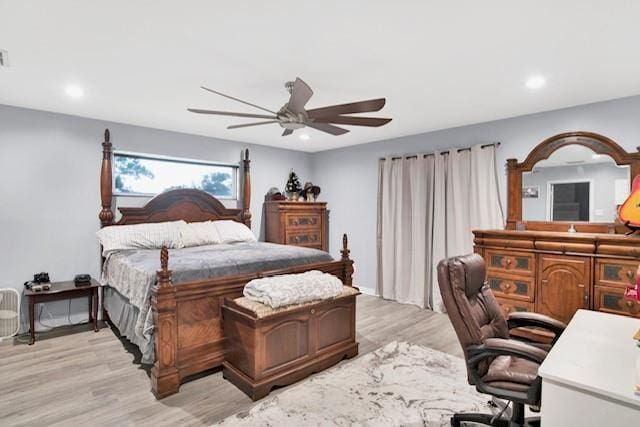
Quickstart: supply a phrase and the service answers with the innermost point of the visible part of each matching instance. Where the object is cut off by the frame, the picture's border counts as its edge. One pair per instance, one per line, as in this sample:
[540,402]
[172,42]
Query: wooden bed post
[165,379]
[347,272]
[246,189]
[106,182]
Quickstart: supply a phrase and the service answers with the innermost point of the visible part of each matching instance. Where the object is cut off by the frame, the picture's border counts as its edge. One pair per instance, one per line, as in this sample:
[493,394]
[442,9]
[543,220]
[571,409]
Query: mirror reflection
[574,184]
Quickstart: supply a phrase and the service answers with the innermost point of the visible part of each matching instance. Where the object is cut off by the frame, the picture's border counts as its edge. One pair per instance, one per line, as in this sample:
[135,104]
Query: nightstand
[63,291]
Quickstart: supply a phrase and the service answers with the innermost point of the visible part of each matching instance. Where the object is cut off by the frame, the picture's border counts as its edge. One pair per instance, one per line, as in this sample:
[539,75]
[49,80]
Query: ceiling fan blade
[326,127]
[229,113]
[246,125]
[351,108]
[239,100]
[301,93]
[287,132]
[353,121]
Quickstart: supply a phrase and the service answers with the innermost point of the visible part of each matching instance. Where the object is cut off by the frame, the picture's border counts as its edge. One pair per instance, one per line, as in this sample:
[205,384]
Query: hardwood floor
[73,376]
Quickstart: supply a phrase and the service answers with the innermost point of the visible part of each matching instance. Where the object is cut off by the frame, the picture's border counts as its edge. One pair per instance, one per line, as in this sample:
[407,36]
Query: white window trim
[235,167]
[569,181]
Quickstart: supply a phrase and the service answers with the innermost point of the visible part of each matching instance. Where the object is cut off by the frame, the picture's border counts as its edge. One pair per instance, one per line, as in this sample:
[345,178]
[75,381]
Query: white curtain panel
[458,207]
[438,240]
[484,192]
[427,207]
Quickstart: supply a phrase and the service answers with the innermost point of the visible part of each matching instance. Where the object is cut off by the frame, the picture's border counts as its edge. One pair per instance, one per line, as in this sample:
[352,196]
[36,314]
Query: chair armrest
[520,319]
[493,347]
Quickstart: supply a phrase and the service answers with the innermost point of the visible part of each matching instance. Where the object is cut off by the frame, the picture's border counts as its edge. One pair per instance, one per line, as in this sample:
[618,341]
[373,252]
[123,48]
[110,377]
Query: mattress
[132,273]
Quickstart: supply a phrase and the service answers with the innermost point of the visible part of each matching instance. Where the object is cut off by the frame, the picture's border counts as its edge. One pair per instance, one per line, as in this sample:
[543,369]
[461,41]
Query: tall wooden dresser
[297,223]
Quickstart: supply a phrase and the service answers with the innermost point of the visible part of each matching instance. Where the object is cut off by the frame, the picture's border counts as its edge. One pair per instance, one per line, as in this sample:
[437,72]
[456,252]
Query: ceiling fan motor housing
[290,120]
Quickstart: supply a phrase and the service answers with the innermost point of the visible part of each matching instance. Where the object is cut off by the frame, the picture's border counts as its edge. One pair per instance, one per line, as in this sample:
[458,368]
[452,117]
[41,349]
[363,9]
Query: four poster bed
[186,318]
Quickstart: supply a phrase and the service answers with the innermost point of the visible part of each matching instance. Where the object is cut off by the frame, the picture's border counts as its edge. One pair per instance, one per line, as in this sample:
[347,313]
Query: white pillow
[199,234]
[232,231]
[141,236]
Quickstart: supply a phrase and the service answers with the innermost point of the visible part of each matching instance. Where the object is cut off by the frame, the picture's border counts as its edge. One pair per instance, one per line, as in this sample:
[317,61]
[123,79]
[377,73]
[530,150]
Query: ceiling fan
[293,116]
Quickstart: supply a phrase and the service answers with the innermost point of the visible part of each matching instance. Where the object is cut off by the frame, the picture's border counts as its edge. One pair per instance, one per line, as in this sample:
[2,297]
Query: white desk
[588,378]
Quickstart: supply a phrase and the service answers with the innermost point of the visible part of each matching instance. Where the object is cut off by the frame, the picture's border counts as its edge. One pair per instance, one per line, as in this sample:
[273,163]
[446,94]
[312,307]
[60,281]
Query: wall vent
[4,58]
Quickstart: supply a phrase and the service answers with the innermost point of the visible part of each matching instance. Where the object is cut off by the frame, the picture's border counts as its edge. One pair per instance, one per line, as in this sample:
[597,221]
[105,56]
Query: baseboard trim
[368,291]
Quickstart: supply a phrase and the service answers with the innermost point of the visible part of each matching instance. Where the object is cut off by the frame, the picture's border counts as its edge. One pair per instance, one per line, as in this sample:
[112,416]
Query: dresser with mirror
[563,248]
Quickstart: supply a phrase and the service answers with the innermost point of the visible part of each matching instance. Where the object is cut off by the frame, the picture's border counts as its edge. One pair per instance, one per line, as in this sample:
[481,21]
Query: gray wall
[349,179]
[50,166]
[602,175]
[50,170]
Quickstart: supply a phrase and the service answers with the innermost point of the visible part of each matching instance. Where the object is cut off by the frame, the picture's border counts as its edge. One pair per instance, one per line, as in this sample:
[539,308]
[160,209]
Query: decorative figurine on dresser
[564,248]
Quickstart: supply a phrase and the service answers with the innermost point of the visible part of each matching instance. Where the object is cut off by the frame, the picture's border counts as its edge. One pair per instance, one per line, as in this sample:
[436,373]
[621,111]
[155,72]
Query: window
[570,201]
[148,175]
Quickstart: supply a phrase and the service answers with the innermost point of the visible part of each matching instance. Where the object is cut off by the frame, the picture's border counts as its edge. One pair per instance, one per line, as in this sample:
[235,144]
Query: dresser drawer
[302,220]
[304,238]
[612,300]
[617,273]
[512,287]
[510,261]
[510,306]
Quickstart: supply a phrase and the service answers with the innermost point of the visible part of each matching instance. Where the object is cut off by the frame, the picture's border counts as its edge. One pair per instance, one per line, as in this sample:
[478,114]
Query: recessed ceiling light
[74,91]
[304,136]
[536,82]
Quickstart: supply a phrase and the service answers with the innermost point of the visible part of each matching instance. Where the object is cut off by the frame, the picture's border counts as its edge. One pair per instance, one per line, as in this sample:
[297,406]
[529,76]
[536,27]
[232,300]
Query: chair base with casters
[510,418]
[497,364]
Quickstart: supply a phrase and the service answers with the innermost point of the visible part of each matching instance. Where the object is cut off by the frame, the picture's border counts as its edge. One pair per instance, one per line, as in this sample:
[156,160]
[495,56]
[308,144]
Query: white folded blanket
[287,289]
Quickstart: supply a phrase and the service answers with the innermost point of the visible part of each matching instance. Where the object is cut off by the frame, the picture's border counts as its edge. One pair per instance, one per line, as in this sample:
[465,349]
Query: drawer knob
[629,304]
[313,311]
[507,285]
[630,274]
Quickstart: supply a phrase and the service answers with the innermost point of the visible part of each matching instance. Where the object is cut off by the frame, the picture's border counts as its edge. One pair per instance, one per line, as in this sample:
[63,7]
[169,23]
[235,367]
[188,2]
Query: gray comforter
[133,272]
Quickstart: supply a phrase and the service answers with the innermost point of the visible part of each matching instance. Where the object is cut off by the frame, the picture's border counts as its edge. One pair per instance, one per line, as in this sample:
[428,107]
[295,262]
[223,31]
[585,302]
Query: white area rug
[399,384]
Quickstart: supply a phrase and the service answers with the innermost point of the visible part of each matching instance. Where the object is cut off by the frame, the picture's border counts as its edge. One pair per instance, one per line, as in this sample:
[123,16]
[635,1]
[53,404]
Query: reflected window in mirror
[574,184]
[570,201]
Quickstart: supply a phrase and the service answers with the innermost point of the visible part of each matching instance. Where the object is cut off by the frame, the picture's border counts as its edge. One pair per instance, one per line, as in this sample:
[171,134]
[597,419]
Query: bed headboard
[188,204]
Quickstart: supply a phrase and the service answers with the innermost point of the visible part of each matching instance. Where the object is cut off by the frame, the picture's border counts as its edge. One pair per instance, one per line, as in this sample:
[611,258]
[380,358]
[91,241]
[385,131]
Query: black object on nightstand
[82,279]
[64,291]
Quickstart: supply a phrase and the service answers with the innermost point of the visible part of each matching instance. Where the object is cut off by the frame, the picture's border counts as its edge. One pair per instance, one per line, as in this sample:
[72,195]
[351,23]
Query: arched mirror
[574,180]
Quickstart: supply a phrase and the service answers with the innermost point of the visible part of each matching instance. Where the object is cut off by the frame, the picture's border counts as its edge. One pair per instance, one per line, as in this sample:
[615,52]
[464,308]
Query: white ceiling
[439,64]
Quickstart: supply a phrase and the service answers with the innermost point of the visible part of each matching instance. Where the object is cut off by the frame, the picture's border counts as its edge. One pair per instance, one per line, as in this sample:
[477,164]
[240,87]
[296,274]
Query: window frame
[235,183]
[550,185]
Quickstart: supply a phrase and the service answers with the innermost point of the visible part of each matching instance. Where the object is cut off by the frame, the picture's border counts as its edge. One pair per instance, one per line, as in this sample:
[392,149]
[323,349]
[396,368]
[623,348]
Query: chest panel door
[563,285]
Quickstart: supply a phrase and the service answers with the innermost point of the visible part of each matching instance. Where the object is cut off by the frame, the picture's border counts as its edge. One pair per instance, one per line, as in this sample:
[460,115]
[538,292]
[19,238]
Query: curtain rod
[415,156]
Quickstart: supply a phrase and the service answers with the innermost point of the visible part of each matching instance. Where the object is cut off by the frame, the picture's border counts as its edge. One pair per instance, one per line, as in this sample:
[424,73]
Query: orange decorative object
[629,212]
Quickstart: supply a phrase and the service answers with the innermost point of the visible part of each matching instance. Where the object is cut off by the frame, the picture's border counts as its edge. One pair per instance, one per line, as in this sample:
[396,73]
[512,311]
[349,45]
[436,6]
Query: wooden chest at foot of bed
[277,347]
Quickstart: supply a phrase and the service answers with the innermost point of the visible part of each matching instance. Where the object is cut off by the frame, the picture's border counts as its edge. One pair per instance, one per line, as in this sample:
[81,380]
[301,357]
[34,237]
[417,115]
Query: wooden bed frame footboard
[188,335]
